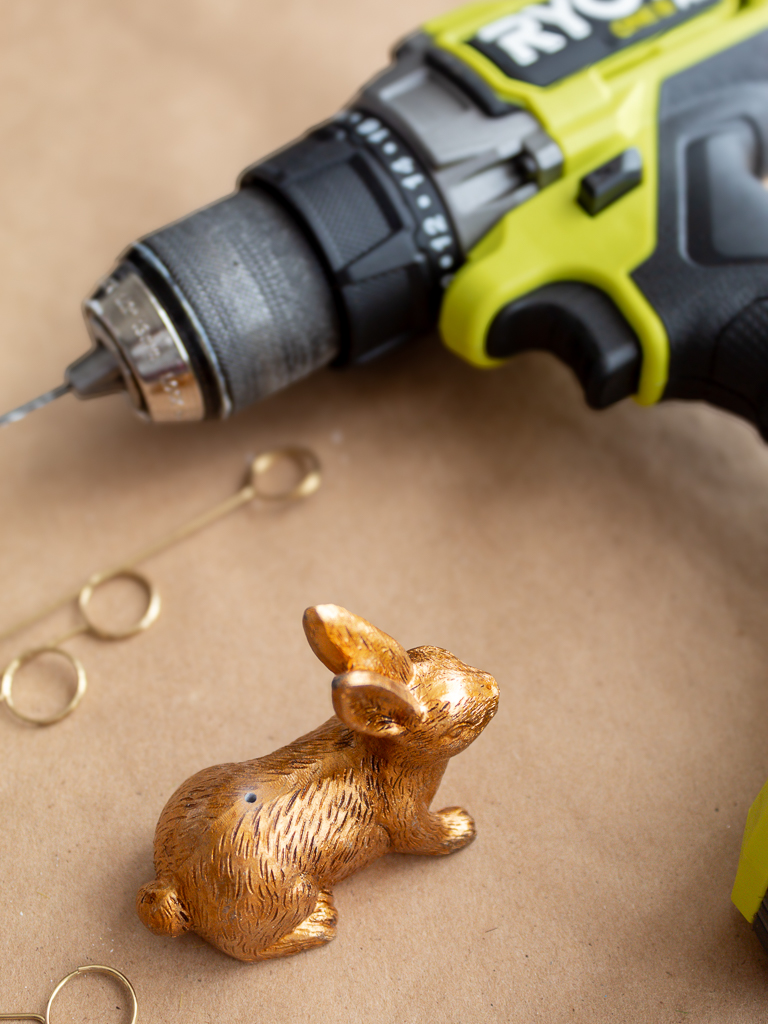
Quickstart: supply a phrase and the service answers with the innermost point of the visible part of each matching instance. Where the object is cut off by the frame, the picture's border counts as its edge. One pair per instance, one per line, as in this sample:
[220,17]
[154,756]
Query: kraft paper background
[611,570]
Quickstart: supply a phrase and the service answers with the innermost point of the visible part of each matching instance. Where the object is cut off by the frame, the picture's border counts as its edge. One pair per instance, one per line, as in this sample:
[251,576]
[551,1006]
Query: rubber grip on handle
[708,277]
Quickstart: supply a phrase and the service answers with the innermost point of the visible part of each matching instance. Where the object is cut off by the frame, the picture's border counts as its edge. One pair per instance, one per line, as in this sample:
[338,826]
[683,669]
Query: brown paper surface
[611,570]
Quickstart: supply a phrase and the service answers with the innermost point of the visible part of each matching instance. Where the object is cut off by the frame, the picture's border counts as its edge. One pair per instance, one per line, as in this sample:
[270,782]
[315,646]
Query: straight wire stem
[37,403]
[243,496]
[303,460]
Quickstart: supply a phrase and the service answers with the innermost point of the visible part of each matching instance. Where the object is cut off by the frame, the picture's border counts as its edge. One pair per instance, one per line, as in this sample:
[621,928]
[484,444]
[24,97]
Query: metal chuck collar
[138,349]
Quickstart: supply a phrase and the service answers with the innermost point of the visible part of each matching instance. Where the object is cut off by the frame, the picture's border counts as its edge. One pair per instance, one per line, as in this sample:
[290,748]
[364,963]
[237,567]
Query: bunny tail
[161,910]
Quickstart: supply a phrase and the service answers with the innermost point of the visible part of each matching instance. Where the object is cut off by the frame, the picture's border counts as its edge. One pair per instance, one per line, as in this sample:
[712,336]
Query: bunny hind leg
[438,833]
[315,930]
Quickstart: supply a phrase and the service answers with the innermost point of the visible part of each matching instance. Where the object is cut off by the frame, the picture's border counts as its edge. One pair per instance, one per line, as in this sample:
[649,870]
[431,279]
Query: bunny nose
[490,684]
[492,689]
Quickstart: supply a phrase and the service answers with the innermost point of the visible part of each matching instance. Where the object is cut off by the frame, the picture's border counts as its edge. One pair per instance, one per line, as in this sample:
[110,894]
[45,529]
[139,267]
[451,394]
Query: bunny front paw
[458,828]
[439,833]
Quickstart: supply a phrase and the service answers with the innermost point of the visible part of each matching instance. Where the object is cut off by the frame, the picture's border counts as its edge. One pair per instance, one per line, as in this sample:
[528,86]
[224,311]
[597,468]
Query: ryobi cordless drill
[579,176]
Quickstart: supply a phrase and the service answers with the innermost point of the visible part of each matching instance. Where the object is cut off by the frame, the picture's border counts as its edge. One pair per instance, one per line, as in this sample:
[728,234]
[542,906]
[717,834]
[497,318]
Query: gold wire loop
[96,969]
[148,618]
[88,969]
[6,686]
[303,459]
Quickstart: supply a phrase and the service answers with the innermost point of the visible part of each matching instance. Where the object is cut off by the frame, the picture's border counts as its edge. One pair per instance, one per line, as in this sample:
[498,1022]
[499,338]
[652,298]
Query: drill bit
[94,374]
[36,403]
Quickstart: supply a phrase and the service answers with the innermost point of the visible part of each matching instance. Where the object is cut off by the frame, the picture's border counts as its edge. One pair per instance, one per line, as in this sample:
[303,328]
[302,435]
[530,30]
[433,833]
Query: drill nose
[121,361]
[137,348]
[95,374]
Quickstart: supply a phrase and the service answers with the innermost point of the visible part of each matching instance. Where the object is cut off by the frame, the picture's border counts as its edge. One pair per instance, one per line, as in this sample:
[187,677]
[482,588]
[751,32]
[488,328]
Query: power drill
[582,177]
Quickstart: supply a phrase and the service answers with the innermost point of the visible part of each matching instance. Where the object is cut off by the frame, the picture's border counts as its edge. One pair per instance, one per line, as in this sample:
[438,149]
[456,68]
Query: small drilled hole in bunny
[250,798]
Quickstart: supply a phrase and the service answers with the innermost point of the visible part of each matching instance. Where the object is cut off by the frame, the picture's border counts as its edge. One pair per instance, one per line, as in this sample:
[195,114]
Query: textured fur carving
[246,854]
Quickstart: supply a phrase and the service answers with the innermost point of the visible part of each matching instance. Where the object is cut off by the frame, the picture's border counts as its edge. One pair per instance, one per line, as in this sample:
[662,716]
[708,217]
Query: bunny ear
[343,641]
[370,703]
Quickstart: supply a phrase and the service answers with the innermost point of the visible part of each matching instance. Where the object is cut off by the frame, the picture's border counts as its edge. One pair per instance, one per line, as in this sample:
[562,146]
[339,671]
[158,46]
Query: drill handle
[707,281]
[708,278]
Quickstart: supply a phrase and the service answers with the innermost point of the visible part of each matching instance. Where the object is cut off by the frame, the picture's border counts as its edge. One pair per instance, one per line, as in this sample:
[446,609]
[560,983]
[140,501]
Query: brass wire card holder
[88,969]
[303,460]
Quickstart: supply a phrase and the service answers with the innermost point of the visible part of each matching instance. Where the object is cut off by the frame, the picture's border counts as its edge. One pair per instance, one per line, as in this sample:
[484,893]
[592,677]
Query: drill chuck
[214,312]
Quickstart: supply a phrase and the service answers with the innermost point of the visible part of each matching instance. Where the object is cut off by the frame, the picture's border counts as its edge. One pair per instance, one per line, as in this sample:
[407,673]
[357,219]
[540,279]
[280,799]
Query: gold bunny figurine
[246,855]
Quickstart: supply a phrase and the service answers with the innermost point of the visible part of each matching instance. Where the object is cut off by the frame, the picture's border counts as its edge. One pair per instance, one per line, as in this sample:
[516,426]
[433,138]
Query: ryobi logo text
[546,41]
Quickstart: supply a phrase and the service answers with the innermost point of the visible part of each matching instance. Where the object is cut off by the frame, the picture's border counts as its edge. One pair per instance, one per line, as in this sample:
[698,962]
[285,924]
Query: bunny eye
[458,731]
